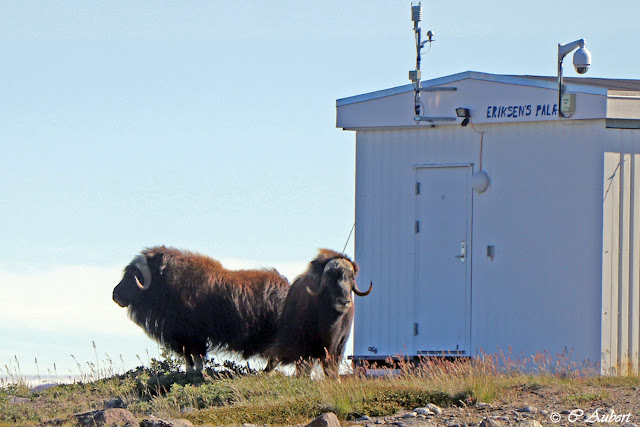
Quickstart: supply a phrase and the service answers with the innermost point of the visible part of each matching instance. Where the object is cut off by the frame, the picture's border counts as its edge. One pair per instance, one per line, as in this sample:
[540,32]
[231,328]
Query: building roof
[612,84]
[492,98]
[596,86]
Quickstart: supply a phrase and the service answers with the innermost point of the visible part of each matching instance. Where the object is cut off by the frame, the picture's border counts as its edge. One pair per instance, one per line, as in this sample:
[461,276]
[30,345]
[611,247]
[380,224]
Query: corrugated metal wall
[557,284]
[621,264]
[541,294]
[542,212]
[385,227]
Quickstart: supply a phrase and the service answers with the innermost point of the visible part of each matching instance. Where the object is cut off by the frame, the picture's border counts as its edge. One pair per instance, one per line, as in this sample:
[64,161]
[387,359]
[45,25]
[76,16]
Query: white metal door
[443,260]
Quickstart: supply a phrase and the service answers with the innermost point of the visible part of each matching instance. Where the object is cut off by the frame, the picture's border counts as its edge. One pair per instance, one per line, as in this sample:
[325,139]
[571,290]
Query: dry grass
[234,394]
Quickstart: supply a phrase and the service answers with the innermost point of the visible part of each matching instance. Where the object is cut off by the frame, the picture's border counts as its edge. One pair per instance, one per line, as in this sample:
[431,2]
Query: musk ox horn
[359,292]
[315,293]
[140,262]
[334,263]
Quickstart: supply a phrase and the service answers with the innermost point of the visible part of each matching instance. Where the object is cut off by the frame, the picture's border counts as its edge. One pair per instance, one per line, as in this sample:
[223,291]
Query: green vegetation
[234,394]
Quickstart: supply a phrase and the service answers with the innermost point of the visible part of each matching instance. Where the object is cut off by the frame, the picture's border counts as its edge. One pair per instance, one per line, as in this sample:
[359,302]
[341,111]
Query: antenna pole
[415,76]
[416,17]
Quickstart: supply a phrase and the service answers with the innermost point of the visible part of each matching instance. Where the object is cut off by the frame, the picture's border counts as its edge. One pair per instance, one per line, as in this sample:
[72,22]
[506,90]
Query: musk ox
[190,304]
[317,314]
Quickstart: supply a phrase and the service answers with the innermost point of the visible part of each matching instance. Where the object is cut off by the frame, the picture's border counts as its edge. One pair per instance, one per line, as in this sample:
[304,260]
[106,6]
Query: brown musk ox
[190,304]
[317,315]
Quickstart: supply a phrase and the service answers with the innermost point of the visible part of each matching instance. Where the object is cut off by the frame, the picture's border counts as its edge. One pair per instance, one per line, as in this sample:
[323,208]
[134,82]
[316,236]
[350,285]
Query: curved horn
[330,264]
[140,262]
[315,293]
[359,292]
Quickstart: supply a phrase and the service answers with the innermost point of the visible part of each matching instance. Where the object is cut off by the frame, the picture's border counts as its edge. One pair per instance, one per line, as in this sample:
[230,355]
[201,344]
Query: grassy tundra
[233,394]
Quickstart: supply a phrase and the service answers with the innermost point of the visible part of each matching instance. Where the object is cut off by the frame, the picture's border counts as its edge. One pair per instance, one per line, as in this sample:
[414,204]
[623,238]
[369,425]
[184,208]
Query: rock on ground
[488,422]
[13,400]
[113,417]
[325,420]
[156,422]
[113,403]
[434,408]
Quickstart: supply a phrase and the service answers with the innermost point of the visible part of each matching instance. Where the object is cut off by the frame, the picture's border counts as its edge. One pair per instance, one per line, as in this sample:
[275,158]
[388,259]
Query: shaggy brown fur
[194,304]
[317,327]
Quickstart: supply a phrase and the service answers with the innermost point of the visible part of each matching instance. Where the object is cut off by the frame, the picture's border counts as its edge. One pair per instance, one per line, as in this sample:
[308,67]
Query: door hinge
[415,329]
[417,227]
[417,188]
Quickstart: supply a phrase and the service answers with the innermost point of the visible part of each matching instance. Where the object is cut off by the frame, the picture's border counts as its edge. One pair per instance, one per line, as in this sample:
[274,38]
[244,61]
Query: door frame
[469,259]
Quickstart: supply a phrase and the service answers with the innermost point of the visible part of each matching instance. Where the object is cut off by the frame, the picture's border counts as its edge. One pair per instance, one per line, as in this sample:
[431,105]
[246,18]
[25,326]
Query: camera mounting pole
[581,61]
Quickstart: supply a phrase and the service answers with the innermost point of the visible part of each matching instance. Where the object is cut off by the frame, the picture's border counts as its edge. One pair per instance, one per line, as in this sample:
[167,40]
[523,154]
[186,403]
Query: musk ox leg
[188,361]
[193,361]
[331,367]
[304,367]
[194,352]
[271,365]
[331,364]
[198,362]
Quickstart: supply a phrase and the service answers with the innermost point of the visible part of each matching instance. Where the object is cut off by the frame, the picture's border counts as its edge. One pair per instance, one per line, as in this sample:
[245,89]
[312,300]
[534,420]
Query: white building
[544,259]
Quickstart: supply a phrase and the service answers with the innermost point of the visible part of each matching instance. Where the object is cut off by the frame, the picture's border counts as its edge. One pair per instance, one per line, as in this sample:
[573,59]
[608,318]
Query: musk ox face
[137,279]
[337,283]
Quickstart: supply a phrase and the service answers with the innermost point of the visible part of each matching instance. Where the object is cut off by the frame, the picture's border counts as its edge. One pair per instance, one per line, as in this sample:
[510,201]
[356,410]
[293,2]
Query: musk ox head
[137,278]
[337,282]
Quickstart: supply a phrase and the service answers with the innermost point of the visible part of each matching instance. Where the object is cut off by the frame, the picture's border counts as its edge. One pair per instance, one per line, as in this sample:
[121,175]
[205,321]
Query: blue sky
[210,126]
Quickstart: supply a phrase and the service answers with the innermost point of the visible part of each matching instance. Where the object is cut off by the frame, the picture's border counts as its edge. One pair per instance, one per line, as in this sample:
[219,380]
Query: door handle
[463,252]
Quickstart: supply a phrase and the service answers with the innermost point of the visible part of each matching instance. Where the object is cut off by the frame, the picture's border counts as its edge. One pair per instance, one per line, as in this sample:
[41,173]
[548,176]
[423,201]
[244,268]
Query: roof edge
[530,81]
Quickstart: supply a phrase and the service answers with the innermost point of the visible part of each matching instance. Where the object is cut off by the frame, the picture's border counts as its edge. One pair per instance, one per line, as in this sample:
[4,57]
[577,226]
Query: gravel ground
[528,406]
[523,406]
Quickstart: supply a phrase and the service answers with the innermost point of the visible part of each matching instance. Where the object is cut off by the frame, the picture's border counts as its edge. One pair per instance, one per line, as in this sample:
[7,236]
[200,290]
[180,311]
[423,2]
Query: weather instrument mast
[416,75]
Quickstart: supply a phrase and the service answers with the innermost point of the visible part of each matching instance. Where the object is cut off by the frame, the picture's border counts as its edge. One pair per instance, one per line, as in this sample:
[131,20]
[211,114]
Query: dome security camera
[582,60]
